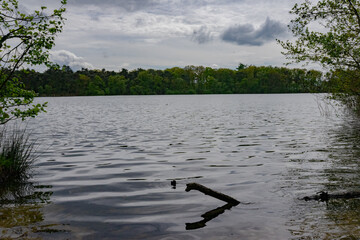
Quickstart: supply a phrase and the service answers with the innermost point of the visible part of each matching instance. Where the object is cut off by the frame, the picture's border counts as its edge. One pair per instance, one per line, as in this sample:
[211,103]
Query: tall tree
[328,32]
[25,39]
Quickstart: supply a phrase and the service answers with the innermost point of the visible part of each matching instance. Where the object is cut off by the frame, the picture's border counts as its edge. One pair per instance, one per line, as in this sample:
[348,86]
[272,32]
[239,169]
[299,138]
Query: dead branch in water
[212,193]
[324,196]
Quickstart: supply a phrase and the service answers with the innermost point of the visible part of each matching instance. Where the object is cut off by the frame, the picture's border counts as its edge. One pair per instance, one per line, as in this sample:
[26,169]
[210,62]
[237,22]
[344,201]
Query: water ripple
[110,161]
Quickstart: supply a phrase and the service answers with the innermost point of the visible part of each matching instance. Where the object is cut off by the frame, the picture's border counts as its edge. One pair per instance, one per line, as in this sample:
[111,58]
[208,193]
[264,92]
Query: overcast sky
[159,34]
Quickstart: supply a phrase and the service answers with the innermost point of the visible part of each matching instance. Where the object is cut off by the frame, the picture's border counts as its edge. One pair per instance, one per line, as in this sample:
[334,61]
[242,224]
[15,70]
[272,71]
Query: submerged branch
[212,193]
[325,196]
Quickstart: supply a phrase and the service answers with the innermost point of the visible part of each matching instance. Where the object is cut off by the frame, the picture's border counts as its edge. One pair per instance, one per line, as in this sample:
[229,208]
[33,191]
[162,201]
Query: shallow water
[106,163]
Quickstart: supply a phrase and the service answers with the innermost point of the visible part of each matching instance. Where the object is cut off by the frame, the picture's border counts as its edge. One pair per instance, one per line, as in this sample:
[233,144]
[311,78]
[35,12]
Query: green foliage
[117,85]
[96,87]
[16,156]
[188,80]
[328,32]
[345,88]
[25,39]
[336,47]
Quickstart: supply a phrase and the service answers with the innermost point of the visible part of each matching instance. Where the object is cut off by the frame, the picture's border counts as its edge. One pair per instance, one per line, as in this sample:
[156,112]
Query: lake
[105,165]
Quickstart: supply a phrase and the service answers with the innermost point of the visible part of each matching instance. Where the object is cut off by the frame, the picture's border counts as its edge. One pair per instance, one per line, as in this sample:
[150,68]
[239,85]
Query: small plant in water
[16,156]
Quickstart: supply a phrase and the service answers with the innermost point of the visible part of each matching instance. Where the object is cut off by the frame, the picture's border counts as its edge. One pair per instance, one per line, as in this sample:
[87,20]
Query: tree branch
[4,38]
[15,67]
[355,11]
[212,193]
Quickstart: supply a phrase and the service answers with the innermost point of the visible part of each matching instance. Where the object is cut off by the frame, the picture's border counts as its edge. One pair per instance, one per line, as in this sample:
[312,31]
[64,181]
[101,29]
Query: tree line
[188,80]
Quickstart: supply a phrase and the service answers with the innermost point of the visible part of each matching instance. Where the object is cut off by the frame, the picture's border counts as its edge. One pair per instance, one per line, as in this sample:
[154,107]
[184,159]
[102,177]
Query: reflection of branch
[208,216]
[212,193]
[10,193]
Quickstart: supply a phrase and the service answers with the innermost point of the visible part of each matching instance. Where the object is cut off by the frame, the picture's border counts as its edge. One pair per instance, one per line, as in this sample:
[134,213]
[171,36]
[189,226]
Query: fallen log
[325,196]
[212,193]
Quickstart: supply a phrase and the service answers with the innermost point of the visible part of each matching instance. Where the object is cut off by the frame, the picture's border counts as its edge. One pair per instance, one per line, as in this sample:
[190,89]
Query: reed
[17,155]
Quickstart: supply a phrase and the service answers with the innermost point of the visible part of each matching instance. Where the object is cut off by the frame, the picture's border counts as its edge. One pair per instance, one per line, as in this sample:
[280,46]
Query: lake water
[106,164]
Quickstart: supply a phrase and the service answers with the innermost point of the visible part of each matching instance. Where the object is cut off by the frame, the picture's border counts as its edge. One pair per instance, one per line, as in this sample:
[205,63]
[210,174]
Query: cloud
[202,35]
[246,34]
[166,33]
[130,6]
[63,57]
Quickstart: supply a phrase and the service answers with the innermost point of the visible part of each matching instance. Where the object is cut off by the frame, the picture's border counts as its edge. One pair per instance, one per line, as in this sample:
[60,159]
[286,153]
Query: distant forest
[188,80]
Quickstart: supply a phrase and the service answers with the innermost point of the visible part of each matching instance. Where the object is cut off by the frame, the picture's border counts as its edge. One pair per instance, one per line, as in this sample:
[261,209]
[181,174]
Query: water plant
[17,155]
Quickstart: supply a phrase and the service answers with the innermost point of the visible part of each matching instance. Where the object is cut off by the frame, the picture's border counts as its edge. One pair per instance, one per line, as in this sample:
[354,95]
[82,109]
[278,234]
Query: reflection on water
[345,216]
[208,216]
[110,161]
[344,176]
[21,211]
[336,218]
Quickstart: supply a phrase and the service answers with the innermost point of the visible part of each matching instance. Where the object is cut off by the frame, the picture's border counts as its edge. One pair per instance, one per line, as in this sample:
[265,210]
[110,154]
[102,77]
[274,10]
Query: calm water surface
[106,164]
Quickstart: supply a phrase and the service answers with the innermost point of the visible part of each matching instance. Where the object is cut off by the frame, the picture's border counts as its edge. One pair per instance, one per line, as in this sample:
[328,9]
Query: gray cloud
[63,57]
[128,5]
[151,33]
[246,34]
[202,35]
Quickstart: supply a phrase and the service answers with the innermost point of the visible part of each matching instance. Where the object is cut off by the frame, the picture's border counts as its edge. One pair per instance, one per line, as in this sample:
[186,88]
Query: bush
[16,156]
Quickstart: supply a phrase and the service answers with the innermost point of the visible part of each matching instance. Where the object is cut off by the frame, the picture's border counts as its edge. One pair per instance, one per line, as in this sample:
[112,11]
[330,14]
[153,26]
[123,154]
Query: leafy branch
[25,39]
